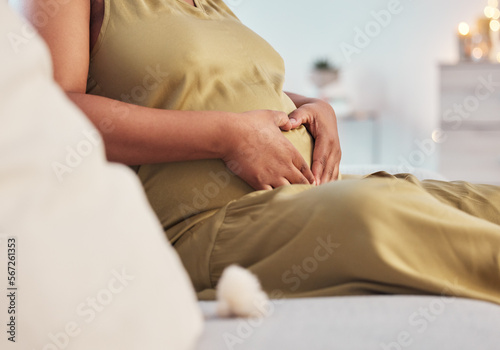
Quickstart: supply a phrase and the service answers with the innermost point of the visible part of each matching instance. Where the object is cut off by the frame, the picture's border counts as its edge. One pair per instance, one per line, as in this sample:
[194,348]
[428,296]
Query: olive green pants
[373,235]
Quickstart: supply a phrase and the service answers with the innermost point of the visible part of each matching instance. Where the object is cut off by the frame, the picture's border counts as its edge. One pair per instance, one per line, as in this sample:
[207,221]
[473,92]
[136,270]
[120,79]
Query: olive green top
[168,54]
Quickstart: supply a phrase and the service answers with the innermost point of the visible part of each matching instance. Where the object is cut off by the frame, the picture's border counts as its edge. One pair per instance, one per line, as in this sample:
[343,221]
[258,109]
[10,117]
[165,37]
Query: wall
[396,74]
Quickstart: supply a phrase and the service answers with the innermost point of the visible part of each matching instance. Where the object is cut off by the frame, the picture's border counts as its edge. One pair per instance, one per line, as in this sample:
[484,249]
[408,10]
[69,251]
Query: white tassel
[240,294]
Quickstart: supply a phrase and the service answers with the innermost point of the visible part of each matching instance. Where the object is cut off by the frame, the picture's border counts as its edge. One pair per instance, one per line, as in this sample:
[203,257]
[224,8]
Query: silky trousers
[380,234]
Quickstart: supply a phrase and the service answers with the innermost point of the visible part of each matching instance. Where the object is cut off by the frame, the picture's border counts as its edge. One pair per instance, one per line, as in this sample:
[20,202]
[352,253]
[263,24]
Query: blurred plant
[324,73]
[324,64]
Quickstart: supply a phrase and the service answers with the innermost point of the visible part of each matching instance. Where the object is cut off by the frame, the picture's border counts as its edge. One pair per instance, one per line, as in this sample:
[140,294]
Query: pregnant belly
[180,190]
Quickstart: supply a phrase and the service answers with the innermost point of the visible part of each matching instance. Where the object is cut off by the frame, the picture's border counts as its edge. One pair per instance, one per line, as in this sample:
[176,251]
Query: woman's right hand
[258,153]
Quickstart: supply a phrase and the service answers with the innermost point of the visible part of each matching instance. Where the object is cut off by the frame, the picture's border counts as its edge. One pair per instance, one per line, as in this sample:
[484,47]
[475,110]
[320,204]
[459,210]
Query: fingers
[336,172]
[328,175]
[294,175]
[298,178]
[304,175]
[318,167]
[326,161]
[281,182]
[336,168]
[282,121]
[275,184]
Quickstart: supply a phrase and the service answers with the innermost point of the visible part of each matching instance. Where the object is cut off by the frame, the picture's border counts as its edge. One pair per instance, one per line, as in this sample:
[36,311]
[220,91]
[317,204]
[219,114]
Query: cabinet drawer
[469,92]
[471,156]
[465,76]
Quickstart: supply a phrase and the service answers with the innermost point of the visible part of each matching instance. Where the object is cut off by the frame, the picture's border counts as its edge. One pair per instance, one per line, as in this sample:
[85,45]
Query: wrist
[226,132]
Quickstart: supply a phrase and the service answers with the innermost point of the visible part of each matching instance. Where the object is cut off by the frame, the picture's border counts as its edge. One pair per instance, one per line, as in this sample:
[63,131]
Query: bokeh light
[463,28]
[495,25]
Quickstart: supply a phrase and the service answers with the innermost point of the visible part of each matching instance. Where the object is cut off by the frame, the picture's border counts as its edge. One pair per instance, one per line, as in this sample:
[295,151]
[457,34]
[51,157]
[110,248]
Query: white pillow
[93,269]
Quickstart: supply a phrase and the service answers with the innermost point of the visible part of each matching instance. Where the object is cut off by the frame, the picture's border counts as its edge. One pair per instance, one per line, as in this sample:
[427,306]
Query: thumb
[296,118]
[283,122]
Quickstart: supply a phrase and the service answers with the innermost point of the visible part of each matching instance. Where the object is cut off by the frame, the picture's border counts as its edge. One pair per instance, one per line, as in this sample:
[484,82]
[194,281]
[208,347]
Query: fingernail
[293,120]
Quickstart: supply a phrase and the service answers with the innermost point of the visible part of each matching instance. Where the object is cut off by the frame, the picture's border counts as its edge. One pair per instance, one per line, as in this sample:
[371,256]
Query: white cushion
[390,322]
[93,268]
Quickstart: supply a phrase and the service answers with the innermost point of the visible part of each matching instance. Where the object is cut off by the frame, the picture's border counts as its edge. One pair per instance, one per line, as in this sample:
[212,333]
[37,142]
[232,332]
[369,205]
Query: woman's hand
[319,118]
[257,151]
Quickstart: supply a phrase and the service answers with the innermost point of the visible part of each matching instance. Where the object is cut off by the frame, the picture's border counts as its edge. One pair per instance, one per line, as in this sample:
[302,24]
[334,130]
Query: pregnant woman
[239,171]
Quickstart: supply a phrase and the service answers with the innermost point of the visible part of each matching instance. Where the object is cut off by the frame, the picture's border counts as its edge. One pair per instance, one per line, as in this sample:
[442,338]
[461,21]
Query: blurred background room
[415,84]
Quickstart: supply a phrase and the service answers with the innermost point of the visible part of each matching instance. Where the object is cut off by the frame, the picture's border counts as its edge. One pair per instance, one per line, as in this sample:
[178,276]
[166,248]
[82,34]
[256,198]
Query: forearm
[140,135]
[300,100]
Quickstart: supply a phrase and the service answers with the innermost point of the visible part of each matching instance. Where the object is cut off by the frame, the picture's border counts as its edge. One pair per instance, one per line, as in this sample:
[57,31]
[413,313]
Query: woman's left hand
[319,118]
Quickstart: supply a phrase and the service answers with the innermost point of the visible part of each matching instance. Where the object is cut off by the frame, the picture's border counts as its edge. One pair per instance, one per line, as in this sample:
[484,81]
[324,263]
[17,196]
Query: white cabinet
[470,121]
